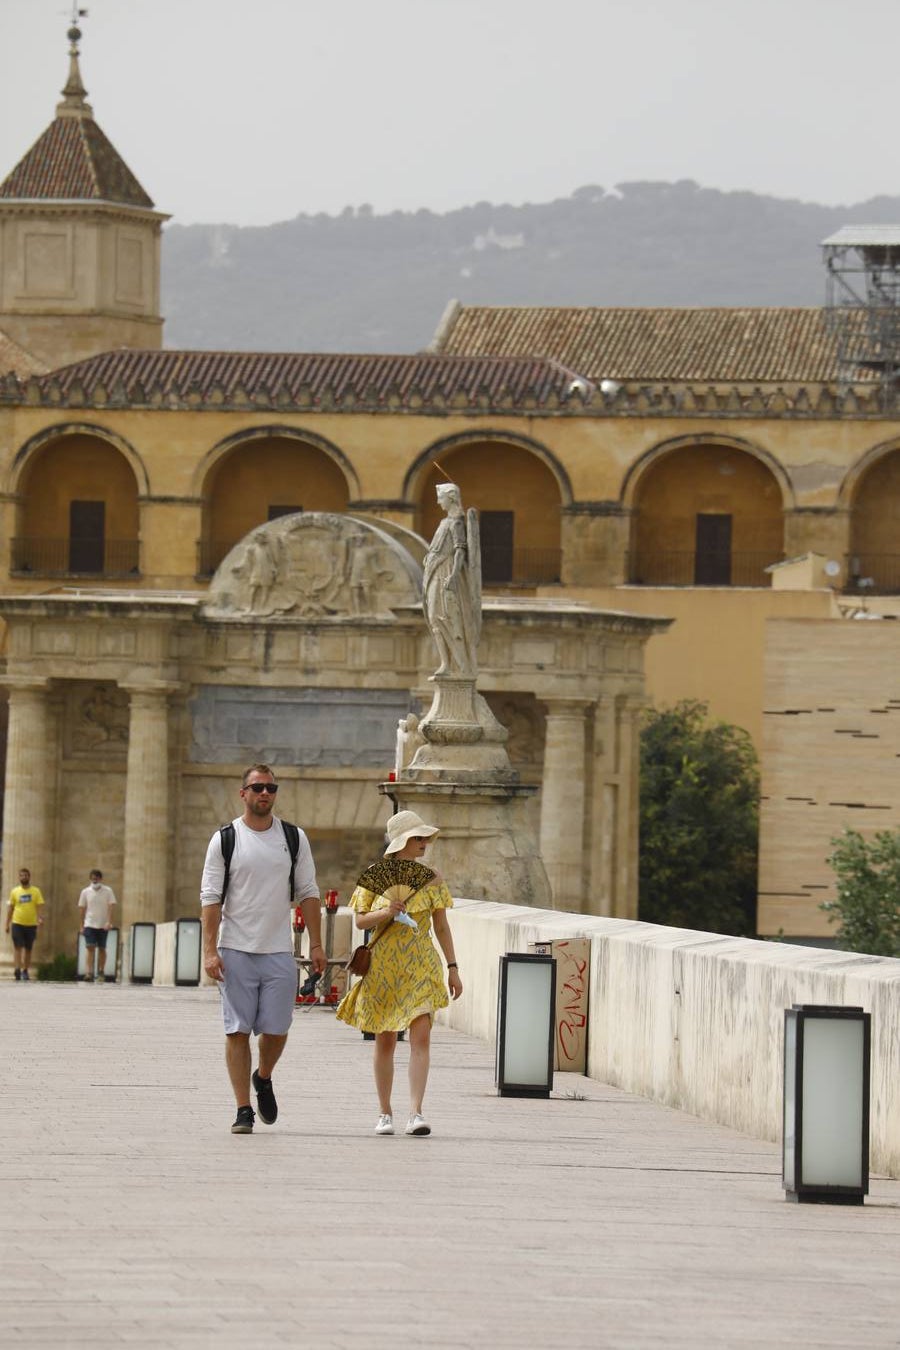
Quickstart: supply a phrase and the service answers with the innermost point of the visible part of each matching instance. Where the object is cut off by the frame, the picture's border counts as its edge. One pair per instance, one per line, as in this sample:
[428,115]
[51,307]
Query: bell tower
[79,241]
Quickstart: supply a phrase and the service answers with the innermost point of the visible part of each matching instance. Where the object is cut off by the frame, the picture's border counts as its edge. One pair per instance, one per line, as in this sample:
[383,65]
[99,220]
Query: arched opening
[259,480]
[706,515]
[519,505]
[875,528]
[78,513]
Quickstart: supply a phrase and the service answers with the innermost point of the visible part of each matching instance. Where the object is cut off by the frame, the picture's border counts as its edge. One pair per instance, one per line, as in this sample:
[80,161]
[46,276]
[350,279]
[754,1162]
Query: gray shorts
[259,991]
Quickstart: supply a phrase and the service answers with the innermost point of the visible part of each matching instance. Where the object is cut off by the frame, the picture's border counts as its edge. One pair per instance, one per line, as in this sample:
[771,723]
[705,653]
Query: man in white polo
[247,939]
[96,903]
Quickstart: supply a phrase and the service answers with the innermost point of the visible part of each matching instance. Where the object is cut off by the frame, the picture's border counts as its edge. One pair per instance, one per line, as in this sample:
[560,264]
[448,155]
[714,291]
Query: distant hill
[362,282]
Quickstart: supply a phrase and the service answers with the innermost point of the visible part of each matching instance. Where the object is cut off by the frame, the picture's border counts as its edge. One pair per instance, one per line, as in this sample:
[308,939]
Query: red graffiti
[571,1006]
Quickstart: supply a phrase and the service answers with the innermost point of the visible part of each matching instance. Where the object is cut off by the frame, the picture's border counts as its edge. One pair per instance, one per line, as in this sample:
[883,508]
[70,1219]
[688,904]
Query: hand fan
[395,878]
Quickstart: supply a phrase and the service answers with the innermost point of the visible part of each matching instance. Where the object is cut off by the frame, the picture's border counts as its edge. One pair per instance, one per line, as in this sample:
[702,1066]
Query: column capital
[567,707]
[25,684]
[153,688]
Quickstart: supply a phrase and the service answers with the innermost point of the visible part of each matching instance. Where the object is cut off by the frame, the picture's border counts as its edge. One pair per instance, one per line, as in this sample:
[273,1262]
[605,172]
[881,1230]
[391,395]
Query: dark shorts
[259,992]
[96,937]
[23,934]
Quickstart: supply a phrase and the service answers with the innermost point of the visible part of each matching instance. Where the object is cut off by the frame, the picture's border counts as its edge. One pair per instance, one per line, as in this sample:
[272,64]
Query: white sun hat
[404,826]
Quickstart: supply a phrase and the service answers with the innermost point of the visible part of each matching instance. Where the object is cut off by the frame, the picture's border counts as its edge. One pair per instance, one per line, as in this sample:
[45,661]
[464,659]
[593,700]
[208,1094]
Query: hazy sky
[254,112]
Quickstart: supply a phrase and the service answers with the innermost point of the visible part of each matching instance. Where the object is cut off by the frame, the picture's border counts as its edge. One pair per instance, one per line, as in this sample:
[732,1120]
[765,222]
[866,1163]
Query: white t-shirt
[256,916]
[96,902]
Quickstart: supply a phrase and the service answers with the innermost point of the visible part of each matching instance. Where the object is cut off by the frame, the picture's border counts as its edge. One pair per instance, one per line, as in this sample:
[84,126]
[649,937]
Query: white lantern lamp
[187,951]
[526,1025]
[143,952]
[825,1147]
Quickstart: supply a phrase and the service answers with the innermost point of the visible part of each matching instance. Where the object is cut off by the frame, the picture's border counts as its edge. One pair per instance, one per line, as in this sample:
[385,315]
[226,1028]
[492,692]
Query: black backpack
[291,834]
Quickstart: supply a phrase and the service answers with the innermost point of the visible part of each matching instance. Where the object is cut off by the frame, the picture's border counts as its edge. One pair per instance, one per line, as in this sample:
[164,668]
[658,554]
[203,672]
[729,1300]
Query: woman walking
[398,901]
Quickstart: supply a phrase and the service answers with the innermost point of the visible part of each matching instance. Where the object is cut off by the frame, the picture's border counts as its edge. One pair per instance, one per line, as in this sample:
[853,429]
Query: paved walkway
[131,1216]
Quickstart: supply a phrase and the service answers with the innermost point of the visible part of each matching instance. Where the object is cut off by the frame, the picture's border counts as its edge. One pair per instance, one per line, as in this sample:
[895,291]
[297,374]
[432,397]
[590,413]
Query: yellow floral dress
[405,978]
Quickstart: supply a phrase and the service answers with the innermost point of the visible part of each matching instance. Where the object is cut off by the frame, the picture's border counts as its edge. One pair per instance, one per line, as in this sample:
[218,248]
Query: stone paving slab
[130,1216]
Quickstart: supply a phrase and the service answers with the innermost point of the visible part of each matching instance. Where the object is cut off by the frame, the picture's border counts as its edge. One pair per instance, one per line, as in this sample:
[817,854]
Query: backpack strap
[226,835]
[292,835]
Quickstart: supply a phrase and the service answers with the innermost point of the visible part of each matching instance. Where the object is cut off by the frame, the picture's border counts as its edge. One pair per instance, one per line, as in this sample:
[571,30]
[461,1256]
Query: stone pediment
[314,566]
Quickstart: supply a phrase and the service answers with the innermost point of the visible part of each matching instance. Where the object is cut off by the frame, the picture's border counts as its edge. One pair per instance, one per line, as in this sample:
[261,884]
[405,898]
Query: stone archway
[875,524]
[260,477]
[78,512]
[706,514]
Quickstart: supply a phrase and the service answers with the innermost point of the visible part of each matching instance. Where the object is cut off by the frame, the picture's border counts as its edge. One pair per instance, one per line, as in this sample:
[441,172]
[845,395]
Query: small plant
[867,907]
[61,967]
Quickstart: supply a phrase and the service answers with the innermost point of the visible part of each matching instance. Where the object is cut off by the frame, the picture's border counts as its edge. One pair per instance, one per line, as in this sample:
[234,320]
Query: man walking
[96,903]
[254,870]
[23,914]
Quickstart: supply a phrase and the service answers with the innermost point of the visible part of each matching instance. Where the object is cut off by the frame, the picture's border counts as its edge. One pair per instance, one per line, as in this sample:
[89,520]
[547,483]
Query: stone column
[595,544]
[148,794]
[614,835]
[625,898]
[601,844]
[562,800]
[29,790]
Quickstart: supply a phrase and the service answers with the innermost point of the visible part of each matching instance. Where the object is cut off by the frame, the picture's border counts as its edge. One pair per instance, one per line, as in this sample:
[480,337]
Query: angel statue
[452,586]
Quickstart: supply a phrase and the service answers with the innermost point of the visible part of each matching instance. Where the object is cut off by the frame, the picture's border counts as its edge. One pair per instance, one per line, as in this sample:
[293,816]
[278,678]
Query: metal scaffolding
[863,304]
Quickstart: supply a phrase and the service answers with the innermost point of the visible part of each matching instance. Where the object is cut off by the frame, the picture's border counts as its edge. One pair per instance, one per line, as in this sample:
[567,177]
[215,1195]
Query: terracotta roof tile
[74,161]
[735,346]
[306,377]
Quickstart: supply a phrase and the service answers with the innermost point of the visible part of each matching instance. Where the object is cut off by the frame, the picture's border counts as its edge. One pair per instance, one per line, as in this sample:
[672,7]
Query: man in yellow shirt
[24,913]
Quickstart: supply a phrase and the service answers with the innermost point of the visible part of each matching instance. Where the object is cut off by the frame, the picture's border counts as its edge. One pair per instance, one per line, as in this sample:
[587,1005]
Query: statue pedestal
[464,742]
[486,849]
[461,779]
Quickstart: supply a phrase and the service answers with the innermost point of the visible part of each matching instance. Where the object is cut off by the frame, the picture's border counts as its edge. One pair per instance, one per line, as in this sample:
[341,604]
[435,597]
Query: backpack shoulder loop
[226,836]
[292,837]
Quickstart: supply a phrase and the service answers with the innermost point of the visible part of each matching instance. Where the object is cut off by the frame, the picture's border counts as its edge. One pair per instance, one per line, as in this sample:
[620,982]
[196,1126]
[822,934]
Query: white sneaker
[385,1125]
[417,1125]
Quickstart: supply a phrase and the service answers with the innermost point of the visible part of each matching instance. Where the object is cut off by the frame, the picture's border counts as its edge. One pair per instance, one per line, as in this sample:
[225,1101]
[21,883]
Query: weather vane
[76,13]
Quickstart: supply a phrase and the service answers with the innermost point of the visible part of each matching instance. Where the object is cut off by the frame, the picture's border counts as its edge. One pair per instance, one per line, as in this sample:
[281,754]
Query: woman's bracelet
[451,965]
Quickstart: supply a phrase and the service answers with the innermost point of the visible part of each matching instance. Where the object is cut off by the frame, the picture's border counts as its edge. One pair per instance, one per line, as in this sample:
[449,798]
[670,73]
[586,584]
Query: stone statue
[409,738]
[452,587]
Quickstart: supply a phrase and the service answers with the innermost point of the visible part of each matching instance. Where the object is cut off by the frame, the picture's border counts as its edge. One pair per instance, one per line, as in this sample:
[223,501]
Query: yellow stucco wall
[714,650]
[831,744]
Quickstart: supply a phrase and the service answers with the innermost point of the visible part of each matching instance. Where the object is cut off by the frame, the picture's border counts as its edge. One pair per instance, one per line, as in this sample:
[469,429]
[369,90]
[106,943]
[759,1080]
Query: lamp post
[826,1104]
[143,952]
[526,1023]
[187,951]
[111,968]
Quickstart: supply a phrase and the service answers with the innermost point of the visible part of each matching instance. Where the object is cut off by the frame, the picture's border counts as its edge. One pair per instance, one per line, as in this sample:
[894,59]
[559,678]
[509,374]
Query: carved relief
[314,566]
[99,719]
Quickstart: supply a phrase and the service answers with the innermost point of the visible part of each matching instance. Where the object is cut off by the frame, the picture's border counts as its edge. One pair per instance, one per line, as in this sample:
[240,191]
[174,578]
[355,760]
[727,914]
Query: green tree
[867,908]
[699,822]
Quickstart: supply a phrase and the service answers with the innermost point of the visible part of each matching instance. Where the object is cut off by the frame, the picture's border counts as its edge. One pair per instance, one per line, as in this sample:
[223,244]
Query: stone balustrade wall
[692,1020]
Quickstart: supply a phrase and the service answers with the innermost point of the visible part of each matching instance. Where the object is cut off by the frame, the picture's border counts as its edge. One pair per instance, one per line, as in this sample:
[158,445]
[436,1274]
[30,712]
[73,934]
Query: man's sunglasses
[263,787]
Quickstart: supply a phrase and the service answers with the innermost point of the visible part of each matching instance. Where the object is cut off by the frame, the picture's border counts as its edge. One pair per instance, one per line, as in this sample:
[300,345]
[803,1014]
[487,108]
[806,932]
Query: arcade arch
[519,498]
[875,524]
[77,512]
[705,514]
[260,477]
